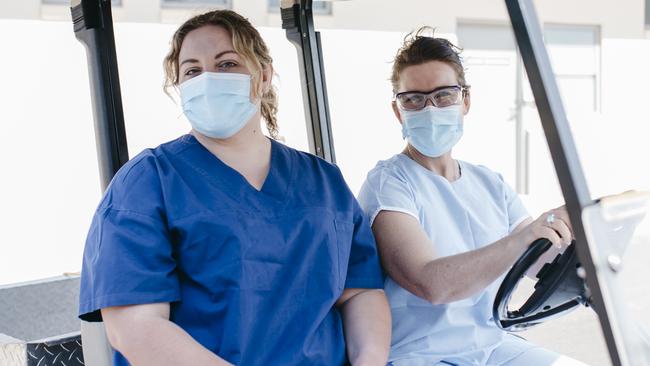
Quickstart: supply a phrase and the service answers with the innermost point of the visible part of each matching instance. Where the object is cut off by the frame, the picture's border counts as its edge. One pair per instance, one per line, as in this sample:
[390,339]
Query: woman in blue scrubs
[447,230]
[224,246]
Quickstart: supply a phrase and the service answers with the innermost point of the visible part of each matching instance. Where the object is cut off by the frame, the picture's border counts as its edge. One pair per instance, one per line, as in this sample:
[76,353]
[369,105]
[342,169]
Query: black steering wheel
[559,289]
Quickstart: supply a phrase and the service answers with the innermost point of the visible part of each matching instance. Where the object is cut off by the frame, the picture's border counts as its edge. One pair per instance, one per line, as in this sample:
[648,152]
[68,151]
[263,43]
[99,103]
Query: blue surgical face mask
[218,105]
[433,131]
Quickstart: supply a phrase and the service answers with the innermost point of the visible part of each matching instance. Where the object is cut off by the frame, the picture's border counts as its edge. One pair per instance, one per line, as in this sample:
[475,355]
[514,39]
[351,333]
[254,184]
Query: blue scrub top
[251,275]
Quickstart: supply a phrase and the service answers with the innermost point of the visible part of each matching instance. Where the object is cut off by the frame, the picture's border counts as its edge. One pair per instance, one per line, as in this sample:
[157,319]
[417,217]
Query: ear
[467,102]
[396,111]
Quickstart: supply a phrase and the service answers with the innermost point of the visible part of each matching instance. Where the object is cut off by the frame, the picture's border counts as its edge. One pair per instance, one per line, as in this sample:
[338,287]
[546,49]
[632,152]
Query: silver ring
[550,218]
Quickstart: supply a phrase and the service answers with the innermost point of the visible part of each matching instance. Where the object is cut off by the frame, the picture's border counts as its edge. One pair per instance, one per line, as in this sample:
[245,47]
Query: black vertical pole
[528,33]
[298,21]
[93,27]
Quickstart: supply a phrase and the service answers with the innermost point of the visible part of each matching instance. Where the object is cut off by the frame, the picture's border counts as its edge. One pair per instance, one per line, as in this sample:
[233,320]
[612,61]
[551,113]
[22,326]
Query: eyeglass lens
[440,98]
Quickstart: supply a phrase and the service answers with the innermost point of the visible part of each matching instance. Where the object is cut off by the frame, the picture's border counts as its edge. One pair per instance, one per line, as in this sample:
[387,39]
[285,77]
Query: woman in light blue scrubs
[224,246]
[447,230]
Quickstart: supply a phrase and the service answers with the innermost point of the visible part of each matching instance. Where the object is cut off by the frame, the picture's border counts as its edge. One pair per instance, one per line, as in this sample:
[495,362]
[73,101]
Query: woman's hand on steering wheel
[553,225]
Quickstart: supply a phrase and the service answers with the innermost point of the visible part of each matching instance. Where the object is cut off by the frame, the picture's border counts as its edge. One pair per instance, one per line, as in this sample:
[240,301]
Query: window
[318,7]
[575,55]
[194,3]
[67,2]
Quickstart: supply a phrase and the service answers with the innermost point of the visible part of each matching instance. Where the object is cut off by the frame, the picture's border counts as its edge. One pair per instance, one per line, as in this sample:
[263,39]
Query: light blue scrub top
[251,275]
[476,210]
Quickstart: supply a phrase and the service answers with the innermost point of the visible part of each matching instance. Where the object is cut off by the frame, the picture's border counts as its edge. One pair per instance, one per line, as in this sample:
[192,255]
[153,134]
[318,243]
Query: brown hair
[248,44]
[419,48]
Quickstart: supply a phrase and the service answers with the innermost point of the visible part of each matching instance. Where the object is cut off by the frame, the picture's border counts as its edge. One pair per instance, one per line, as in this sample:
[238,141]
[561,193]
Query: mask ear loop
[260,93]
[176,98]
[179,104]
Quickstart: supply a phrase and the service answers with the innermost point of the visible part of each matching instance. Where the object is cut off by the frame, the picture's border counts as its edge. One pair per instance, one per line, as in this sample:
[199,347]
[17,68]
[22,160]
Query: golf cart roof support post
[93,27]
[528,34]
[298,21]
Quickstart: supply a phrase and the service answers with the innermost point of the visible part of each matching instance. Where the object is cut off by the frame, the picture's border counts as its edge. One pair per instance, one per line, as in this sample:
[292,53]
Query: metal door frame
[298,21]
[528,34]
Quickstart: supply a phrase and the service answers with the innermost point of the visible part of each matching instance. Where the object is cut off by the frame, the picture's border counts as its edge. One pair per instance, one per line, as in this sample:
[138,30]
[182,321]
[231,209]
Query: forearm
[367,325]
[460,276]
[411,260]
[157,341]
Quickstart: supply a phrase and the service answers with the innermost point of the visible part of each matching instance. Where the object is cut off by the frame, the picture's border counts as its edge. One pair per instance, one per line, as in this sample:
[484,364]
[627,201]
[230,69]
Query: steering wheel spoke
[558,290]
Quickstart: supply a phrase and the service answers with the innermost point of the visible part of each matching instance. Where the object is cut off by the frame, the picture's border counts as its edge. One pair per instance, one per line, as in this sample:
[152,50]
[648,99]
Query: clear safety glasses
[440,97]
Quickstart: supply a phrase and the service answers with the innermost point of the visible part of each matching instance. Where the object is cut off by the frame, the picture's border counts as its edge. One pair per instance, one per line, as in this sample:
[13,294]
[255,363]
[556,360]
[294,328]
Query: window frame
[597,75]
[327,9]
[180,4]
[114,3]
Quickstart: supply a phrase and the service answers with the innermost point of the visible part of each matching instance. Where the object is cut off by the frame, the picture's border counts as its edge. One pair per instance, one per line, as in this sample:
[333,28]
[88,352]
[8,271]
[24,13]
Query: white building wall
[619,19]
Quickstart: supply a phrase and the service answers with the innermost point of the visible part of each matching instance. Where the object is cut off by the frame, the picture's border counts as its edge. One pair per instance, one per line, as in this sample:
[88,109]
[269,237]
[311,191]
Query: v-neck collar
[275,186]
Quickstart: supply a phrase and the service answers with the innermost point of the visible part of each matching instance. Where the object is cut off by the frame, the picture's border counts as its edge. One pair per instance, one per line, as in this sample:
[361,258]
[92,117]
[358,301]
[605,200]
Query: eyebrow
[216,57]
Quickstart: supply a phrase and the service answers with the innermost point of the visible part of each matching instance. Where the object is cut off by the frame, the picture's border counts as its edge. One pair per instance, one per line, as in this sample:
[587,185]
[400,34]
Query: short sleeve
[128,257]
[383,190]
[517,213]
[364,270]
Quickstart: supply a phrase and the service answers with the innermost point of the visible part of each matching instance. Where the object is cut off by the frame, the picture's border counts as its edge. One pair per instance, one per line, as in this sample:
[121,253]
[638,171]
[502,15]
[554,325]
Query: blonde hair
[248,44]
[422,46]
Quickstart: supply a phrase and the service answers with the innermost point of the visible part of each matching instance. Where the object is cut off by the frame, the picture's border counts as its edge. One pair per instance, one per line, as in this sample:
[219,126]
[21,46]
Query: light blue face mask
[218,104]
[433,131]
